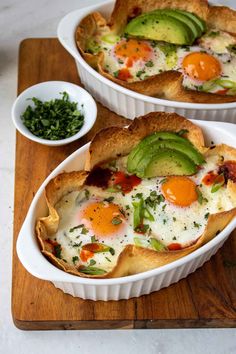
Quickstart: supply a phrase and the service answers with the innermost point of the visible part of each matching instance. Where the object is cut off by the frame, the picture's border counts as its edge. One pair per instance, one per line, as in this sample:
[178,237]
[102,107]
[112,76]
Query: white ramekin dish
[125,102]
[46,91]
[117,288]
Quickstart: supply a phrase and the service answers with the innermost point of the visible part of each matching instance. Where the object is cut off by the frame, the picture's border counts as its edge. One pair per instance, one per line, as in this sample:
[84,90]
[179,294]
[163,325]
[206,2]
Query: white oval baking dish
[118,288]
[125,102]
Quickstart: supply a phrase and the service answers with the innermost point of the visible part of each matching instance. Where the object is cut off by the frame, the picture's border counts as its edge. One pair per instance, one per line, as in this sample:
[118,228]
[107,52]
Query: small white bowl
[46,91]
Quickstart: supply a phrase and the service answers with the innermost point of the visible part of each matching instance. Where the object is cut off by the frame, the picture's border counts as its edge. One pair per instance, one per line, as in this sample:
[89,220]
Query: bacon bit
[126,182]
[210,178]
[85,255]
[129,62]
[174,246]
[124,74]
[222,92]
[99,177]
[228,169]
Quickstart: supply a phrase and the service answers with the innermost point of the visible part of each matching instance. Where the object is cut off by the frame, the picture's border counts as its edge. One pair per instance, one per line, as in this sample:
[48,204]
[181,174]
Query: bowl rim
[88,123]
[53,273]
[65,34]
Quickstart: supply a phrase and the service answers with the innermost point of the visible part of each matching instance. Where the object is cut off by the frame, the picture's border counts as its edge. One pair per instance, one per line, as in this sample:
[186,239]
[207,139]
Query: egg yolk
[180,191]
[104,219]
[133,50]
[201,66]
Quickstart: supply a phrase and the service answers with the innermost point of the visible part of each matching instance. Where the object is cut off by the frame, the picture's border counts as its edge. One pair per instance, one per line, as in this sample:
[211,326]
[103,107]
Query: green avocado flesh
[169,162]
[199,23]
[160,27]
[183,18]
[151,147]
[168,25]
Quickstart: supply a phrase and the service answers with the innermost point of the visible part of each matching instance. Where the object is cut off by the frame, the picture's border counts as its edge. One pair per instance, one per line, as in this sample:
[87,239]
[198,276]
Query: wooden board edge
[112,325]
[72,325]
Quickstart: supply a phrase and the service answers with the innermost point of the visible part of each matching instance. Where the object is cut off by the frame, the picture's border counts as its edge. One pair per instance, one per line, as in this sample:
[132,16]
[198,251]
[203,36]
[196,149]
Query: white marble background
[21,19]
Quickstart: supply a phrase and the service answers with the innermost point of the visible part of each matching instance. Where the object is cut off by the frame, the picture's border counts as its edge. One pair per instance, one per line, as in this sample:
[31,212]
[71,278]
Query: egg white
[172,224]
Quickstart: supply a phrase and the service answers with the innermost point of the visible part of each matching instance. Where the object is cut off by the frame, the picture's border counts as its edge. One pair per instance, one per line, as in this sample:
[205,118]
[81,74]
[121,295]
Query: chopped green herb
[116,221]
[157,245]
[109,199]
[53,120]
[92,262]
[163,180]
[195,224]
[84,231]
[206,216]
[93,239]
[92,270]
[139,73]
[57,250]
[108,259]
[112,251]
[218,183]
[149,64]
[77,244]
[116,73]
[200,197]
[75,259]
[174,219]
[76,227]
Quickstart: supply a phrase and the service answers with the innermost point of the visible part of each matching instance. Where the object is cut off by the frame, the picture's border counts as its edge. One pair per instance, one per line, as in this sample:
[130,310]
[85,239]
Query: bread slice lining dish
[167,85]
[108,144]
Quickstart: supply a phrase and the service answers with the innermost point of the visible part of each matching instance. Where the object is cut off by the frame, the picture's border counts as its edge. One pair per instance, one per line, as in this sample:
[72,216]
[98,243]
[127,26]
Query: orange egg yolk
[201,66]
[133,50]
[104,219]
[180,191]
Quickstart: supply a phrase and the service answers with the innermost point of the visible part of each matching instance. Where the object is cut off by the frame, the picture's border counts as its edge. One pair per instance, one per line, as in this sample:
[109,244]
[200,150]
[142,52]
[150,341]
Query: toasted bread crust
[115,141]
[106,145]
[167,85]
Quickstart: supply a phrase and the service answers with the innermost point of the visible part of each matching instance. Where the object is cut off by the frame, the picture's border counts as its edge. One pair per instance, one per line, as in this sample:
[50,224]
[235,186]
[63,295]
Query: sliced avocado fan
[166,144]
[168,25]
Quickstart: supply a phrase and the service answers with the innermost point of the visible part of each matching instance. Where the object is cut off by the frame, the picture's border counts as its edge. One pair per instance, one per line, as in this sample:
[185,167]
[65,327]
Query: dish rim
[52,85]
[52,273]
[72,19]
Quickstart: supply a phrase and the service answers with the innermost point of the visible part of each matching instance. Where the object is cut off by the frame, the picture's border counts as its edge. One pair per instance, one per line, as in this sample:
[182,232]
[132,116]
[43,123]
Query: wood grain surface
[206,298]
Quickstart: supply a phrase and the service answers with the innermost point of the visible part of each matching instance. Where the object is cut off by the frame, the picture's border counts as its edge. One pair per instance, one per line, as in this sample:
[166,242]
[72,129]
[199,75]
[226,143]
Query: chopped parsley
[76,227]
[195,224]
[53,120]
[149,64]
[116,221]
[84,231]
[92,262]
[75,259]
[58,250]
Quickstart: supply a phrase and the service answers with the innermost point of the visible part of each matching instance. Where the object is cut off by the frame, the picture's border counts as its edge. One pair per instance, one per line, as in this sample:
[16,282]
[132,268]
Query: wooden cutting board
[206,298]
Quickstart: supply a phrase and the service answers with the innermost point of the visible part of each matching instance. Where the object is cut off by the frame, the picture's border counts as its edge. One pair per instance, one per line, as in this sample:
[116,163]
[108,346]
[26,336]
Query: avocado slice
[149,152]
[200,24]
[152,150]
[169,162]
[181,16]
[134,155]
[159,26]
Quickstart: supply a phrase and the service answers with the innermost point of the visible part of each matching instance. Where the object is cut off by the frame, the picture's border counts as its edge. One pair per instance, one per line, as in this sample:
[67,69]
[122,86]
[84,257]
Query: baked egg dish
[178,50]
[150,194]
